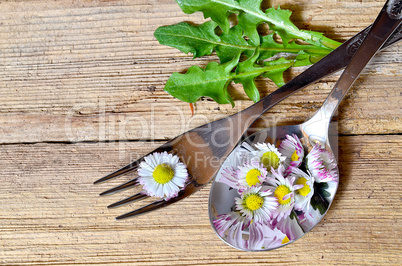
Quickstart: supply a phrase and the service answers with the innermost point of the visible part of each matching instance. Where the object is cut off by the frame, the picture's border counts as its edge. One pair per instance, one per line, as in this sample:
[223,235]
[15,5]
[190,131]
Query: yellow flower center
[294,156]
[254,202]
[252,177]
[305,189]
[280,192]
[285,240]
[270,159]
[163,173]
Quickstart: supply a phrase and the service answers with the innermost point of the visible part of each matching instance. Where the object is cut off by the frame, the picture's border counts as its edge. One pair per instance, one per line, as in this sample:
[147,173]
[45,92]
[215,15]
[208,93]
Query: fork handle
[386,23]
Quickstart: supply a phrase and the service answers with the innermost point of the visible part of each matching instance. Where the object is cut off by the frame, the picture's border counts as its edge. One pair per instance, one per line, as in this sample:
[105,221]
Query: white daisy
[302,195]
[284,192]
[309,219]
[268,155]
[257,204]
[289,226]
[230,227]
[229,169]
[251,174]
[235,235]
[264,236]
[228,176]
[322,165]
[224,221]
[162,175]
[292,148]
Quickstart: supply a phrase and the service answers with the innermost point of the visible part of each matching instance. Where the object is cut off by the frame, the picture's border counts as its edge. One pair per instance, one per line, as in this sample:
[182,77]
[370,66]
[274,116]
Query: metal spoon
[319,130]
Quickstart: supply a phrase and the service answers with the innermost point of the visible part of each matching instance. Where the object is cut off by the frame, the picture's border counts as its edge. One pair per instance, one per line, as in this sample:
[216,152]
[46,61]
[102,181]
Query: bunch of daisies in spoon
[282,192]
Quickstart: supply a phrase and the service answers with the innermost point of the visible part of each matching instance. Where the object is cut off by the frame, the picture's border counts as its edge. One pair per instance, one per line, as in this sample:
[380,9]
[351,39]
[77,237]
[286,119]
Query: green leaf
[233,43]
[250,16]
[213,81]
[270,47]
[318,200]
[199,40]
[202,40]
[247,71]
[276,75]
[217,10]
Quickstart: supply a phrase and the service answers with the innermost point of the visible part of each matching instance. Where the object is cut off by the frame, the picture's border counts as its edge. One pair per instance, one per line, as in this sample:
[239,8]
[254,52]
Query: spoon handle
[386,23]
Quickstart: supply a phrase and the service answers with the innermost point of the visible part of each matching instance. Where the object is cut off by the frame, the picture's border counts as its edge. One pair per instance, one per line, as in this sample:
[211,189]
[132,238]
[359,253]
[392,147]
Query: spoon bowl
[221,200]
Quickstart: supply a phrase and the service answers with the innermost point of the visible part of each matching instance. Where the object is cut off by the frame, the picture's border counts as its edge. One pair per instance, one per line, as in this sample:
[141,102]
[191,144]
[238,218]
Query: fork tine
[132,183]
[133,198]
[189,189]
[150,207]
[124,170]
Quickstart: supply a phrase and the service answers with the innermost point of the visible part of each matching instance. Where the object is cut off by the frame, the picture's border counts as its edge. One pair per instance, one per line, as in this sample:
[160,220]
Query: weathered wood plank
[88,71]
[51,214]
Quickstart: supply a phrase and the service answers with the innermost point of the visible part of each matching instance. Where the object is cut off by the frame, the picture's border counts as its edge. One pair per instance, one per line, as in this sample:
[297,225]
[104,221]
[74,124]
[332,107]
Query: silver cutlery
[214,141]
[314,131]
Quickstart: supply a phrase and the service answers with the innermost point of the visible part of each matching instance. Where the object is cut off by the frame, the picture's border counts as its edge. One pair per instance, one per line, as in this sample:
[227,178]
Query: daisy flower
[302,195]
[309,219]
[292,148]
[224,221]
[251,174]
[257,204]
[235,236]
[322,165]
[264,236]
[228,175]
[290,227]
[284,193]
[230,226]
[162,175]
[269,156]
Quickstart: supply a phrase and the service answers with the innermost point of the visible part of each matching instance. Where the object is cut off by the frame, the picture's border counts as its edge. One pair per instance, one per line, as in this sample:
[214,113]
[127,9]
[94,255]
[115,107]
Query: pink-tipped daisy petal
[322,164]
[292,148]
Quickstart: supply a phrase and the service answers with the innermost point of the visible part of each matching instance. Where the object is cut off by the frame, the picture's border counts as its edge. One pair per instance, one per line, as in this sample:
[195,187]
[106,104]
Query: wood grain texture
[89,71]
[82,95]
[51,213]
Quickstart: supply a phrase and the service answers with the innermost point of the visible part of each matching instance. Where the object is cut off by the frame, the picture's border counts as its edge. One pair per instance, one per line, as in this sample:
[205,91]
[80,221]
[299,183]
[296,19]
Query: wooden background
[81,86]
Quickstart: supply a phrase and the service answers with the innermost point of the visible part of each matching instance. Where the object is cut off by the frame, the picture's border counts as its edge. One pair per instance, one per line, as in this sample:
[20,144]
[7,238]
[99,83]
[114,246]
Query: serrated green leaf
[287,30]
[202,40]
[277,75]
[199,40]
[269,47]
[250,15]
[246,73]
[213,80]
[217,10]
[233,43]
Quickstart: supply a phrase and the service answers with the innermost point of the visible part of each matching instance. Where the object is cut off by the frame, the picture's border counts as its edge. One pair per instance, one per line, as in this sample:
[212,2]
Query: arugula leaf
[213,81]
[202,40]
[199,40]
[318,200]
[250,16]
[276,75]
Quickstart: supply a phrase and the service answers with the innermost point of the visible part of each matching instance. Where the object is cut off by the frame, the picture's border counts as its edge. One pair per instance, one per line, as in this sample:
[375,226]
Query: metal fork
[213,142]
